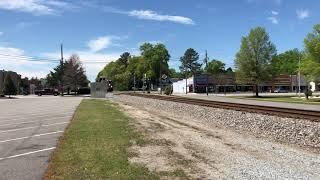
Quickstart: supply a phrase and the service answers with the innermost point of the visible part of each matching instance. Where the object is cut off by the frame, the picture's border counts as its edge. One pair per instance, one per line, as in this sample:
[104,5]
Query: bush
[168,90]
[308,93]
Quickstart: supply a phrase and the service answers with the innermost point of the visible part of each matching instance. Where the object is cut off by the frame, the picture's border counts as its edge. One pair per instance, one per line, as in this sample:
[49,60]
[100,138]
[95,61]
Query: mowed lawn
[94,146]
[286,99]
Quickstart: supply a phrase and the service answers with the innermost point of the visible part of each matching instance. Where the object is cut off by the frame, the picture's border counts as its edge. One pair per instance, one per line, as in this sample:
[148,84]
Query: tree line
[140,71]
[257,60]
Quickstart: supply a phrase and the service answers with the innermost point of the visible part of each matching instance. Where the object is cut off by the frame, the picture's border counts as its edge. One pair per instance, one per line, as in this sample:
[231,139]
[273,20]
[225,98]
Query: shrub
[168,90]
[308,93]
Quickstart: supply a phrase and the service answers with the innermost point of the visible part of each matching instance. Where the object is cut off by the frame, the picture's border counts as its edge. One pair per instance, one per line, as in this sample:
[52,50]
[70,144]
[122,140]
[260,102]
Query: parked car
[47,91]
[281,91]
[82,91]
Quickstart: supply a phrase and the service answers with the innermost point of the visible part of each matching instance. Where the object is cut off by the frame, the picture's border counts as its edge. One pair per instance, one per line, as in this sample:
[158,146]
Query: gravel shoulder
[208,143]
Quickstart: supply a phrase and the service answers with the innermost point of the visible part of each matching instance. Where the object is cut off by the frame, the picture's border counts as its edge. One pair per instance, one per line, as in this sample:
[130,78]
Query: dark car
[47,91]
[281,91]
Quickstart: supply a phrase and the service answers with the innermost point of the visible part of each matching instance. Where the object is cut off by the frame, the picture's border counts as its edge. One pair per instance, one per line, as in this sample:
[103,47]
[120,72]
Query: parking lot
[29,131]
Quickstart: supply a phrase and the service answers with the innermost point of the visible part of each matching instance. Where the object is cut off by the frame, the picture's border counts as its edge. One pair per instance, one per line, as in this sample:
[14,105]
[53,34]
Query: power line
[19,57]
[34,59]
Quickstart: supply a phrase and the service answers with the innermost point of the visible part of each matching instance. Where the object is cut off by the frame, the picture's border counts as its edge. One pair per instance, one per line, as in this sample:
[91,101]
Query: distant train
[107,82]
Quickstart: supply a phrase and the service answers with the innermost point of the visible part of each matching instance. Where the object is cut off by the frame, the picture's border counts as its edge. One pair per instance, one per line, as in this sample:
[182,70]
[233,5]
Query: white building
[180,86]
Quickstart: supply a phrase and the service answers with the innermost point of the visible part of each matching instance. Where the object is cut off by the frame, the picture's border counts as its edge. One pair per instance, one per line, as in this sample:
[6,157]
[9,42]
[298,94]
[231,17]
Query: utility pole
[144,77]
[299,80]
[186,82]
[134,82]
[206,61]
[160,79]
[61,73]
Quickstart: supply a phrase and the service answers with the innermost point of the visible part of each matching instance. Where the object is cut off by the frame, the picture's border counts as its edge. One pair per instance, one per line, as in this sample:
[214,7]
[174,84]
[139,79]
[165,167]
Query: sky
[100,30]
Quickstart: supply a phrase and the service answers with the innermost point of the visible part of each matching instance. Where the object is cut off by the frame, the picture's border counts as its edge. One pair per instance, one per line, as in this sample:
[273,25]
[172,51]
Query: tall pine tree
[9,87]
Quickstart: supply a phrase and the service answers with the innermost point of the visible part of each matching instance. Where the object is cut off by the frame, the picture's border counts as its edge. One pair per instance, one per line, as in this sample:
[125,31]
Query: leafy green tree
[288,63]
[253,61]
[311,61]
[174,74]
[229,71]
[275,71]
[124,58]
[122,72]
[9,87]
[156,60]
[215,67]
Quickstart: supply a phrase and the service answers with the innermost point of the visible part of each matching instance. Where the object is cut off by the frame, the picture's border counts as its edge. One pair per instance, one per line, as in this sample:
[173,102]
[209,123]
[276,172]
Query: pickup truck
[47,92]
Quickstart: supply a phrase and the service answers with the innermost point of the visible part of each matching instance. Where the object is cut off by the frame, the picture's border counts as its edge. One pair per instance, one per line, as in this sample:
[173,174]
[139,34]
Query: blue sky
[102,30]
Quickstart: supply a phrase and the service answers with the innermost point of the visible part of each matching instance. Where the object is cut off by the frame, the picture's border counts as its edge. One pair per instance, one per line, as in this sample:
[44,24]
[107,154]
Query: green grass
[287,99]
[95,145]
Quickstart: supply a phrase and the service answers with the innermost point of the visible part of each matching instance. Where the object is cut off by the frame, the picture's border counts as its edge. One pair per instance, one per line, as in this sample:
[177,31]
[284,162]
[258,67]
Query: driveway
[29,132]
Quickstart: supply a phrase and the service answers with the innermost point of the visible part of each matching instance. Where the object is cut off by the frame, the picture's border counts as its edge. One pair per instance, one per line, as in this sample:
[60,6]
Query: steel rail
[275,111]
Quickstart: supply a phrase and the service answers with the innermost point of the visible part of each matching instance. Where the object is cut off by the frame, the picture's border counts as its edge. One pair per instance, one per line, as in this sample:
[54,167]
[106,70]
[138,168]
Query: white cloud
[273,20]
[14,59]
[303,13]
[274,13]
[37,7]
[100,43]
[152,15]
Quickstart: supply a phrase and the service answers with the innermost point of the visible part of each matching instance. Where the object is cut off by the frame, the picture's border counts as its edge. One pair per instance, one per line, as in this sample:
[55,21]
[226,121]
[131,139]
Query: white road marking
[26,137]
[29,116]
[28,153]
[26,122]
[45,125]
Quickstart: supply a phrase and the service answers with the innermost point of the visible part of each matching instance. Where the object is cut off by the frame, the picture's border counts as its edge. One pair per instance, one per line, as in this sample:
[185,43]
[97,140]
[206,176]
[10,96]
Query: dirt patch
[183,148]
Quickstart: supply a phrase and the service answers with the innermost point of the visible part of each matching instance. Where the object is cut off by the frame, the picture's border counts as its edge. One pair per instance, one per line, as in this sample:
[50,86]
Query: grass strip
[94,146]
[282,99]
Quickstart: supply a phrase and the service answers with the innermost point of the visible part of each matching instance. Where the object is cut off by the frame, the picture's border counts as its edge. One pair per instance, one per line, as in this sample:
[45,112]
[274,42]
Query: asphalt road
[29,132]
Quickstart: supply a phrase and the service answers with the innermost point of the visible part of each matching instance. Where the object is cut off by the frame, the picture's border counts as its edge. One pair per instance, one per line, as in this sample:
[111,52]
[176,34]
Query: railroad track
[275,111]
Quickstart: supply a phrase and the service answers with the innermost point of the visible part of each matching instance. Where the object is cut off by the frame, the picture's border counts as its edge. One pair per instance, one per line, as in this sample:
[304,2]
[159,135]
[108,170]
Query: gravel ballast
[213,143]
[291,131]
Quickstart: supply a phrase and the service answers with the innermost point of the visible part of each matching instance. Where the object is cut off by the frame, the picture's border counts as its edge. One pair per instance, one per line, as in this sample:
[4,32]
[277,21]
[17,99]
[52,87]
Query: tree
[274,71]
[215,67]
[190,64]
[174,74]
[253,61]
[56,77]
[9,87]
[156,58]
[311,61]
[288,63]
[152,62]
[229,71]
[124,58]
[74,73]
